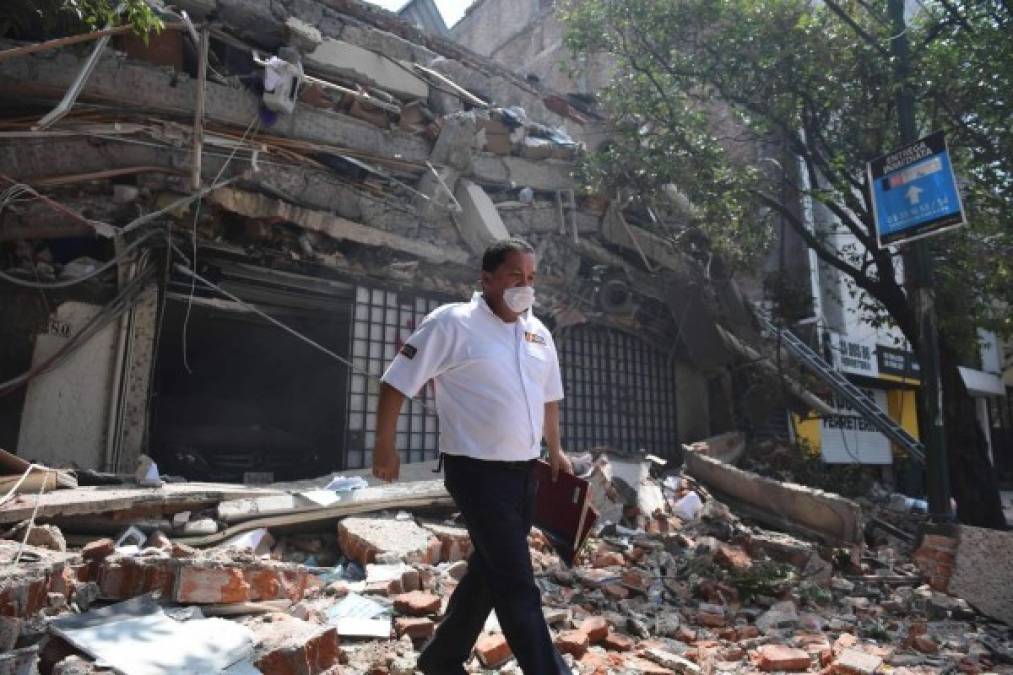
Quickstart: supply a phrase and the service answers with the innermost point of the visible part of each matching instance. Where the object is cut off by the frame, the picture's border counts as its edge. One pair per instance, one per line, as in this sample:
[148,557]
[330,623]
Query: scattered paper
[689,507]
[355,606]
[147,472]
[259,541]
[346,484]
[321,497]
[366,628]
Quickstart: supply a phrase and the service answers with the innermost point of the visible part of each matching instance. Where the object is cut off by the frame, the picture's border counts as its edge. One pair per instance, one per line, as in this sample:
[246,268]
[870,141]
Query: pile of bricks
[658,595]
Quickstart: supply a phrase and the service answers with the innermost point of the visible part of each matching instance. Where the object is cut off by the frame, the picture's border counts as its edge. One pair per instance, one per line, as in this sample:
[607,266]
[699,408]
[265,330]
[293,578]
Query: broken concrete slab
[479,220]
[134,85]
[343,59]
[363,539]
[822,514]
[255,205]
[728,447]
[91,500]
[547,174]
[983,571]
[302,35]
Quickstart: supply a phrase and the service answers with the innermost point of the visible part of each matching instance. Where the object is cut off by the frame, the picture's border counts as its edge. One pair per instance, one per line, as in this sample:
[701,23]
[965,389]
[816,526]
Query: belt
[518,465]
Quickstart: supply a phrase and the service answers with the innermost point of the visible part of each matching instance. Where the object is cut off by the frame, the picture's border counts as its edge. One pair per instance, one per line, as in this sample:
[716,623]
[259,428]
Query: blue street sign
[914,192]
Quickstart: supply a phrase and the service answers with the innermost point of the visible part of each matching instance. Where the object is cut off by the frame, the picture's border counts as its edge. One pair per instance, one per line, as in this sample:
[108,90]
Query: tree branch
[825,254]
[862,33]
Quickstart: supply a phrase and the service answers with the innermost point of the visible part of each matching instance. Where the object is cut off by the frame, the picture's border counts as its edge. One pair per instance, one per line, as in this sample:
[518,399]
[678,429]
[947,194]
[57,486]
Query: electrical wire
[52,285]
[122,302]
[253,125]
[285,327]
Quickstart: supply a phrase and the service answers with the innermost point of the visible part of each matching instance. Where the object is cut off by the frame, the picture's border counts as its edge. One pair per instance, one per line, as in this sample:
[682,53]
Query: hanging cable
[285,327]
[253,125]
[122,302]
[48,285]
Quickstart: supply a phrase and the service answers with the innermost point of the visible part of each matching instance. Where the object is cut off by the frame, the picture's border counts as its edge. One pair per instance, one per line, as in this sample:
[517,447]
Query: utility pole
[918,275]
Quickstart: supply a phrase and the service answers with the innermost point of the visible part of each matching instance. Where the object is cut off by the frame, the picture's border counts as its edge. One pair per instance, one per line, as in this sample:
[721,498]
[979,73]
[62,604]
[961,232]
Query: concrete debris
[706,594]
[391,167]
[480,222]
[828,516]
[342,59]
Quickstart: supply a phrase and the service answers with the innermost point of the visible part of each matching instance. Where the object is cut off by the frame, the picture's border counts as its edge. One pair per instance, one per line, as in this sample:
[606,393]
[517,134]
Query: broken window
[620,392]
[382,321]
[235,398]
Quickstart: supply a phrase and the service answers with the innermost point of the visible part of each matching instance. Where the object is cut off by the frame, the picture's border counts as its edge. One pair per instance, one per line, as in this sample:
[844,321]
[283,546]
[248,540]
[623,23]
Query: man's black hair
[498,251]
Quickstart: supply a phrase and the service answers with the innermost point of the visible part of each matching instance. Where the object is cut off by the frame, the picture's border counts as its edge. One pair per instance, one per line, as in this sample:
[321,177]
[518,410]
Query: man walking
[498,389]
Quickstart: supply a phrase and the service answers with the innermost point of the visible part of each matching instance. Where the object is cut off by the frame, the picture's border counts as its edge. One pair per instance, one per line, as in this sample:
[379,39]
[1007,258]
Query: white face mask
[519,299]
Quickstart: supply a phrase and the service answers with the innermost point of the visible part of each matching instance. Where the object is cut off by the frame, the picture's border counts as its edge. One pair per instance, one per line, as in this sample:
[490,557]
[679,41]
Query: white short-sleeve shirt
[492,379]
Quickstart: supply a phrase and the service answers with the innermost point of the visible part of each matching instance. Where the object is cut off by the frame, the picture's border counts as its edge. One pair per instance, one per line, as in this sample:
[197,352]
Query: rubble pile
[672,581]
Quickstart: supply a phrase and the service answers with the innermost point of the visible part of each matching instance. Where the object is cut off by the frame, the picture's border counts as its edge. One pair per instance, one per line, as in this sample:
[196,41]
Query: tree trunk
[972,476]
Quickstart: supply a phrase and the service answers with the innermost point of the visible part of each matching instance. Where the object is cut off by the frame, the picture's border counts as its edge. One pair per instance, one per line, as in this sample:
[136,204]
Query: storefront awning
[980,383]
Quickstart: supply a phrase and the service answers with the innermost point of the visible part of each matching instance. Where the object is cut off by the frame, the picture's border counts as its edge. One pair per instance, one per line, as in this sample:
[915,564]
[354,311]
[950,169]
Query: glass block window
[619,393]
[382,321]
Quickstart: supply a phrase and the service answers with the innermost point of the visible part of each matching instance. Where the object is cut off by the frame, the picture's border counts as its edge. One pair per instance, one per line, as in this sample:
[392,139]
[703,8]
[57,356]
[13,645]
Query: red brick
[925,644]
[289,646]
[728,634]
[455,544]
[619,642]
[609,559]
[24,597]
[595,664]
[417,628]
[492,650]
[573,642]
[211,584]
[710,620]
[98,549]
[635,579]
[746,632]
[126,578]
[732,557]
[685,634]
[596,629]
[939,541]
[616,591]
[276,582]
[411,580]
[732,654]
[780,657]
[417,603]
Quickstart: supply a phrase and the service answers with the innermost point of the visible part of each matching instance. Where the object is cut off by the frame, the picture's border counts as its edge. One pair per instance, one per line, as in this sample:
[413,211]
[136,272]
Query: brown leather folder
[563,510]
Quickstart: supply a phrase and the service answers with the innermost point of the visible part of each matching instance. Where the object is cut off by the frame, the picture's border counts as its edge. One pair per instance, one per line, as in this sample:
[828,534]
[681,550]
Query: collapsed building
[215,238]
[213,241]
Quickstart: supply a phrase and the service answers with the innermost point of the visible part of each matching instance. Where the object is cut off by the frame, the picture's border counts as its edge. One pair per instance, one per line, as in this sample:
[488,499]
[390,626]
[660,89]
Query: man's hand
[386,461]
[558,460]
[386,464]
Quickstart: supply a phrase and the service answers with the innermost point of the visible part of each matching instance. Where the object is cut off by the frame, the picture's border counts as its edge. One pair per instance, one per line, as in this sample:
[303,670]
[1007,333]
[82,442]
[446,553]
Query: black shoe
[428,668]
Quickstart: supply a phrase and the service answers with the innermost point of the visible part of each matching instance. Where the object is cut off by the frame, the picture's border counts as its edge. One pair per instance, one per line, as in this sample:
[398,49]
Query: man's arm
[386,461]
[557,458]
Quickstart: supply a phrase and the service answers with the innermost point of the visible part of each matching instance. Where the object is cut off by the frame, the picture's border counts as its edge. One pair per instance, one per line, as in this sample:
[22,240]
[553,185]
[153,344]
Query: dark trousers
[496,500]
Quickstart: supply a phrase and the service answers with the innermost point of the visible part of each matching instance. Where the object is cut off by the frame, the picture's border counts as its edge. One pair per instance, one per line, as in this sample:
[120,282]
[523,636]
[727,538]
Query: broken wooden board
[105,498]
[416,495]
